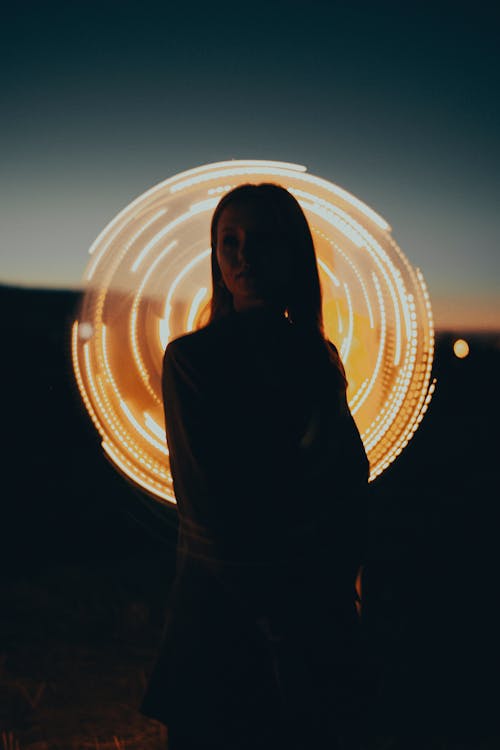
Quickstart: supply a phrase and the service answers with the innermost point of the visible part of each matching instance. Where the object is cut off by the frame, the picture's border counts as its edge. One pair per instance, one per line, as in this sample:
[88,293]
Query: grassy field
[77,642]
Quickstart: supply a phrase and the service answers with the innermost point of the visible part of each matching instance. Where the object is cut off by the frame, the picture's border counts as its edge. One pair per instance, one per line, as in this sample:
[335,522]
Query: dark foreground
[86,569]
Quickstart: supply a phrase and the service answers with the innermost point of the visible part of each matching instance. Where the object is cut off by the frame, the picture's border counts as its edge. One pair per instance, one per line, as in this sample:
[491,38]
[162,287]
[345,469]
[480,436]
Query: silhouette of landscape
[86,563]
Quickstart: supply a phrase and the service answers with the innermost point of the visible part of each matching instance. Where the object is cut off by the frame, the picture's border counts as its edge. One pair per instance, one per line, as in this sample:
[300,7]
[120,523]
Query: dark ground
[83,586]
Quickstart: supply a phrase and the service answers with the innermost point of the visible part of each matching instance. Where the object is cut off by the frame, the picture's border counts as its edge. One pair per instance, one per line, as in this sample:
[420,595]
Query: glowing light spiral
[148,281]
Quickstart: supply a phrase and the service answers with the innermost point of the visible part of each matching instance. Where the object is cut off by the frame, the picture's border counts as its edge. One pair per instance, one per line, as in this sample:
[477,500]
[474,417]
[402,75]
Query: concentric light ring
[148,280]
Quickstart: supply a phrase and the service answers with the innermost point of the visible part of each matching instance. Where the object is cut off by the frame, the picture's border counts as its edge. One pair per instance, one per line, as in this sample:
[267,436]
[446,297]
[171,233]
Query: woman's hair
[302,297]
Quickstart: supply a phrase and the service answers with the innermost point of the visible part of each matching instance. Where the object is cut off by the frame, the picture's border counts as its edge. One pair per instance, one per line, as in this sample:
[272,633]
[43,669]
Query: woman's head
[263,252]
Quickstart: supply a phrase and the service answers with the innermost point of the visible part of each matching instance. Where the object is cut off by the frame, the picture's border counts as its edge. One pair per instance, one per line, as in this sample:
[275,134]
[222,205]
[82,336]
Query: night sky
[397,103]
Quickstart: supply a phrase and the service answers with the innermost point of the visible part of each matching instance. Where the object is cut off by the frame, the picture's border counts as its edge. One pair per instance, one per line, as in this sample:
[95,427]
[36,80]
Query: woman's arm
[208,438]
[187,410]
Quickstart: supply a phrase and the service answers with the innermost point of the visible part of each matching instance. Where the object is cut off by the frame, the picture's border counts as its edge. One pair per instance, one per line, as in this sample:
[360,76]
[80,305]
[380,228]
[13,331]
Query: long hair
[303,298]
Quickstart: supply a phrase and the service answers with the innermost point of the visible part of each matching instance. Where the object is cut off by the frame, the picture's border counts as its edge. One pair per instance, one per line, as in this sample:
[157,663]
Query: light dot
[85,330]
[461,348]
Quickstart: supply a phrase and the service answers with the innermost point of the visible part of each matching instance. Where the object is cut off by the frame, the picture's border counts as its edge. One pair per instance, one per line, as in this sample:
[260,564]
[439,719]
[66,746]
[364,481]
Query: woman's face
[252,256]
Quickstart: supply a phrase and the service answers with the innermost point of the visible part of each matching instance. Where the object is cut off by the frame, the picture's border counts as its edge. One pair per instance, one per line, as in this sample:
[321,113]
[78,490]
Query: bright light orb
[461,348]
[148,281]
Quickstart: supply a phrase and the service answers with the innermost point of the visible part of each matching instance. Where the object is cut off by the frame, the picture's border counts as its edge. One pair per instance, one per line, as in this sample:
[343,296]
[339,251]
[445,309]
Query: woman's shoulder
[187,345]
[336,360]
[197,346]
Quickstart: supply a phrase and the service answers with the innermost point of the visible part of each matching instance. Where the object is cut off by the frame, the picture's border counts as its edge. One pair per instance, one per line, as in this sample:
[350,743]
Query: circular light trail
[461,348]
[148,280]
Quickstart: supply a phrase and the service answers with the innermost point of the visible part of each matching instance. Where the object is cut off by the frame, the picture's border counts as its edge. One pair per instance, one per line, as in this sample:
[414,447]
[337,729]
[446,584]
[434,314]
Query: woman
[260,645]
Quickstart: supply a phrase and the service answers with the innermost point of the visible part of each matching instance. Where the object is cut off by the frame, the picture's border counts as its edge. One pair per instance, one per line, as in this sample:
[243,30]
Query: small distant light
[461,348]
[85,330]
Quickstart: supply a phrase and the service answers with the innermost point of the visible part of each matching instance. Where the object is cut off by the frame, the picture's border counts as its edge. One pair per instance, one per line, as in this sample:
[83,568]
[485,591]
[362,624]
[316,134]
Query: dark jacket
[268,469]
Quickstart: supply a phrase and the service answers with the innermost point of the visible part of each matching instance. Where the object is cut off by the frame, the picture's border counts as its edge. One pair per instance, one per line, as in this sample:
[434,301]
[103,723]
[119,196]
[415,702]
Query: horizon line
[454,328]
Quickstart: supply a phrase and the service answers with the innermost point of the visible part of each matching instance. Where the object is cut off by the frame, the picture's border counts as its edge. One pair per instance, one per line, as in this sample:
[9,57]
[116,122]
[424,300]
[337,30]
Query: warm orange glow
[359,590]
[461,348]
[148,281]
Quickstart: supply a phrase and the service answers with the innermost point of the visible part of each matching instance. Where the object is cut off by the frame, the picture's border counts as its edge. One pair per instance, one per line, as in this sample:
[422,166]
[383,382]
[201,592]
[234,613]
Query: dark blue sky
[397,103]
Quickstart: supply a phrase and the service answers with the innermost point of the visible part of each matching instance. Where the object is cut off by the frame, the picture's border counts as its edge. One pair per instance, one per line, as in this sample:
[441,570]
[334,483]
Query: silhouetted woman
[260,647]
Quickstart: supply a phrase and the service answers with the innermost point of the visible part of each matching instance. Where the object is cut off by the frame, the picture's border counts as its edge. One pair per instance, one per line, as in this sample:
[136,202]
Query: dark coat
[268,467]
